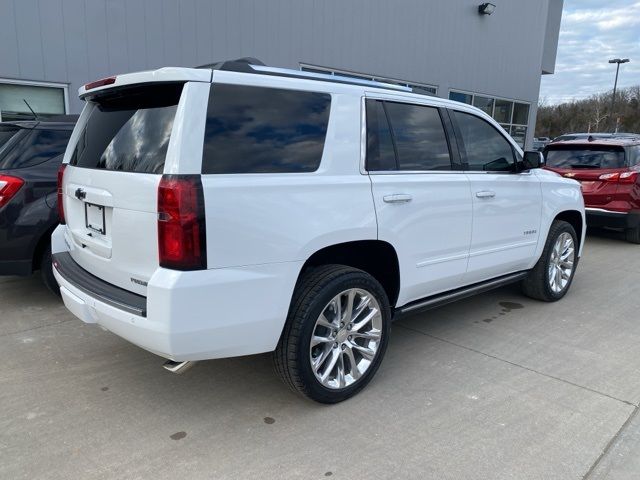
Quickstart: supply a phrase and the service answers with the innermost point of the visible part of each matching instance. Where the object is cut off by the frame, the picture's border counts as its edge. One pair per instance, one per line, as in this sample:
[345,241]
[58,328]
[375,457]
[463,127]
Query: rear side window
[36,147]
[634,156]
[380,152]
[486,148]
[419,137]
[585,157]
[264,130]
[129,129]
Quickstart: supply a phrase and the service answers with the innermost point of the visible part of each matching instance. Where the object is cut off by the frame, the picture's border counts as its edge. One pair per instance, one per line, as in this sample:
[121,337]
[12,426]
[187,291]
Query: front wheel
[336,333]
[551,277]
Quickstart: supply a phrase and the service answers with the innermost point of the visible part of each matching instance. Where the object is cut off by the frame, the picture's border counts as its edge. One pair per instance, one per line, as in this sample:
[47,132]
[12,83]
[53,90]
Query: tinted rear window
[264,130]
[129,129]
[588,157]
[421,143]
[36,146]
[6,132]
[380,151]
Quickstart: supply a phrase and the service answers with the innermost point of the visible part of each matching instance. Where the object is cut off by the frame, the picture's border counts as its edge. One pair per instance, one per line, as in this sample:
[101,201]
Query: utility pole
[617,61]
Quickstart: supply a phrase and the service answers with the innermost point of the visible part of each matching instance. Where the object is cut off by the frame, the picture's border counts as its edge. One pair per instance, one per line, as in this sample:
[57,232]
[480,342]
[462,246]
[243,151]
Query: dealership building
[491,55]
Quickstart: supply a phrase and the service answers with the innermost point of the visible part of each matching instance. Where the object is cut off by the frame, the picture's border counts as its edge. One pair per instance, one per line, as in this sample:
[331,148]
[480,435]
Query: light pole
[617,61]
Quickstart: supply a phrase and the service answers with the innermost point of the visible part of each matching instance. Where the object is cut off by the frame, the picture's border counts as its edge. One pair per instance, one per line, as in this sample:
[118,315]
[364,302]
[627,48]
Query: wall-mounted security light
[486,8]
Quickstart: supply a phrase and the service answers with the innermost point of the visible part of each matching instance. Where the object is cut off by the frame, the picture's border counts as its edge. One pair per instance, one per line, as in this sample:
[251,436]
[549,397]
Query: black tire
[633,235]
[314,291]
[536,284]
[46,271]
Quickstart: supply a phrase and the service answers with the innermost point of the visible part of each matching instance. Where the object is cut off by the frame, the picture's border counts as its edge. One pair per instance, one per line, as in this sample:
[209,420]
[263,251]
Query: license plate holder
[94,217]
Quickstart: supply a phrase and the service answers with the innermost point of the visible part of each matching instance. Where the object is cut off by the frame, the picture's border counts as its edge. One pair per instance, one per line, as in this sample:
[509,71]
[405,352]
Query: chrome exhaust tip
[177,367]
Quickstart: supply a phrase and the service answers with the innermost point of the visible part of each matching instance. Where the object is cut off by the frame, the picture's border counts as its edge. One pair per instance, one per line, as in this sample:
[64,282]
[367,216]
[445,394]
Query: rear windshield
[585,157]
[35,147]
[6,132]
[129,129]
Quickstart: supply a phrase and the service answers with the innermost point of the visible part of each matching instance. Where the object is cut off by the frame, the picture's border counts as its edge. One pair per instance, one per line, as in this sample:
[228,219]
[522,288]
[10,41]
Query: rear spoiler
[162,75]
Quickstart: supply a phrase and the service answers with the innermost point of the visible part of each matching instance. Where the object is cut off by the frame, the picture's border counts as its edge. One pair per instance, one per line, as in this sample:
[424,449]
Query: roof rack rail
[238,65]
[253,65]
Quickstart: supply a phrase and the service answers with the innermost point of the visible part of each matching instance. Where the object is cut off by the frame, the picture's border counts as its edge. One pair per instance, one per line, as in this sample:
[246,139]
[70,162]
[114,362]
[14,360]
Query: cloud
[592,32]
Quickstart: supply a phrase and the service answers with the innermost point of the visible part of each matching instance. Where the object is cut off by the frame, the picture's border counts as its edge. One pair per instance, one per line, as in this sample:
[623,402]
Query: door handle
[485,194]
[397,198]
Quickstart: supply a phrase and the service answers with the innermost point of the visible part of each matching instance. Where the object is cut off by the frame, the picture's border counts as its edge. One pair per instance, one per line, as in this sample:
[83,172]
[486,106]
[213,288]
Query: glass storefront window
[519,134]
[520,114]
[461,97]
[503,110]
[43,100]
[416,87]
[484,103]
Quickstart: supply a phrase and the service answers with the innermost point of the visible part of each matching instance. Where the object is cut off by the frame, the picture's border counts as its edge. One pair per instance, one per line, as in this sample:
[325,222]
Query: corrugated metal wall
[443,43]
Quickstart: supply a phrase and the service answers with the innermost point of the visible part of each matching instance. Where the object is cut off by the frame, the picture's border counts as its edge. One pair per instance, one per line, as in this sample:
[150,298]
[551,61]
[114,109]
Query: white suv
[239,209]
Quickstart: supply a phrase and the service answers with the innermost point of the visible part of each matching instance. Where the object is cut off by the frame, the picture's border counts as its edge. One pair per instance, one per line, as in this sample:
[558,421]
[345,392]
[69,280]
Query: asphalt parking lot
[493,387]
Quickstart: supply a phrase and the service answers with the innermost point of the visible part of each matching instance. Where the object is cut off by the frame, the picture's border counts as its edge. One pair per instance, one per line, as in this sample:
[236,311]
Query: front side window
[486,149]
[38,146]
[420,139]
[264,130]
[129,129]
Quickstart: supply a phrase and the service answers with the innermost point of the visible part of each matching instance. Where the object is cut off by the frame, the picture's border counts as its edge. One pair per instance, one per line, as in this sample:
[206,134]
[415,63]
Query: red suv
[609,171]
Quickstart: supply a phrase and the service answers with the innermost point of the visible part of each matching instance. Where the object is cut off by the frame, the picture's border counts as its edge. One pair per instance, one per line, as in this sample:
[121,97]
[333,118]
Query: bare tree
[590,114]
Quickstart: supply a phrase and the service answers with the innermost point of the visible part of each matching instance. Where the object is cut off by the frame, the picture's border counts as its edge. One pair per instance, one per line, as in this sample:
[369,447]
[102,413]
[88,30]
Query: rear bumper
[191,315]
[598,217]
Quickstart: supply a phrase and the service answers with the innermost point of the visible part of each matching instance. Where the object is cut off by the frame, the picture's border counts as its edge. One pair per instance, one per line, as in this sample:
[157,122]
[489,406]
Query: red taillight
[9,186]
[609,177]
[181,223]
[100,83]
[60,195]
[628,177]
[620,177]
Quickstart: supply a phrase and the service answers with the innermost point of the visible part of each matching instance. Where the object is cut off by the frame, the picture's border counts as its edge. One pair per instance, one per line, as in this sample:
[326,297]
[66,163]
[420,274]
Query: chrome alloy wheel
[346,338]
[561,263]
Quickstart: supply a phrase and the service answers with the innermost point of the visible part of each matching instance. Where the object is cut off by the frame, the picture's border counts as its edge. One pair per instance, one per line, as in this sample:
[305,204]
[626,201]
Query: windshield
[129,129]
[585,158]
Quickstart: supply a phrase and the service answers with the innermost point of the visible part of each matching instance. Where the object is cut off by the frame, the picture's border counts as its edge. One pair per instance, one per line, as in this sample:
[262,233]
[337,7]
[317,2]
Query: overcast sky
[591,33]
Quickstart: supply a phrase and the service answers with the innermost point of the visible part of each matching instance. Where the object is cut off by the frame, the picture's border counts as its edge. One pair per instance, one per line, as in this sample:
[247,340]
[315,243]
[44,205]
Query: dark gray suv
[30,155]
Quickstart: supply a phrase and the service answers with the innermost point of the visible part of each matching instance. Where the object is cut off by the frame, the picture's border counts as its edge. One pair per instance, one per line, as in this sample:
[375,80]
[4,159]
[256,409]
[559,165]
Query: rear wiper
[583,165]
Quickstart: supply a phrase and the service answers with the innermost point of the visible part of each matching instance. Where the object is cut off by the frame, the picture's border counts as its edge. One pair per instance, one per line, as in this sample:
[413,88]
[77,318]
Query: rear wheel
[336,334]
[46,271]
[551,277]
[633,234]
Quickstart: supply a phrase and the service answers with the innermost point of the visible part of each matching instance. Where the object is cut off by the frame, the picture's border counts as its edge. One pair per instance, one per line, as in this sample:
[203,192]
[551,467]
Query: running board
[458,294]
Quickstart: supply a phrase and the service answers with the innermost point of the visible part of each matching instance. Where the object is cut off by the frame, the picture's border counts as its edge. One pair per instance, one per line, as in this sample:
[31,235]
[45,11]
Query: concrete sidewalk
[494,387]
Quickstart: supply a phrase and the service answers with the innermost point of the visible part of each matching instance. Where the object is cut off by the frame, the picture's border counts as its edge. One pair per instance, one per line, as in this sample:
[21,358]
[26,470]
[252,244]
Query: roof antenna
[35,115]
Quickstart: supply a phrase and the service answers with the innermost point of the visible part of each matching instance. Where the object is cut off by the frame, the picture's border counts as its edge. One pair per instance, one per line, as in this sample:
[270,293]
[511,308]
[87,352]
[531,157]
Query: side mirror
[532,159]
